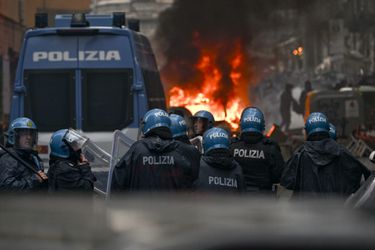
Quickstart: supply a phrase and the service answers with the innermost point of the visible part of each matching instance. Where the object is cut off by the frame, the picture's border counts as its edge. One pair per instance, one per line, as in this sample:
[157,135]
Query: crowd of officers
[21,169]
[166,159]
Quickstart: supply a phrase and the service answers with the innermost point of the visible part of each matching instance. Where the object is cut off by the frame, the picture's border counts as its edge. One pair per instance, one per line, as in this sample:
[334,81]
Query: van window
[107,99]
[154,89]
[50,99]
[150,73]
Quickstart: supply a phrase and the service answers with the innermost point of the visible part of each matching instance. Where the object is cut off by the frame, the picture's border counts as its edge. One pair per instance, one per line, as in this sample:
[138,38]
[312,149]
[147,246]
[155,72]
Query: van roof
[63,20]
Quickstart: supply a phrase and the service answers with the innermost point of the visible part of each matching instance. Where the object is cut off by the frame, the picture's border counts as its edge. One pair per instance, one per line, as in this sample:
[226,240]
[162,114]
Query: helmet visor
[200,125]
[26,138]
[75,140]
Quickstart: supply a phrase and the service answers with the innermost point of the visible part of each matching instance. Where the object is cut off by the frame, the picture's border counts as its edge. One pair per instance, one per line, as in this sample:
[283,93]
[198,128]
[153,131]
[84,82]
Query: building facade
[147,11]
[328,41]
[338,40]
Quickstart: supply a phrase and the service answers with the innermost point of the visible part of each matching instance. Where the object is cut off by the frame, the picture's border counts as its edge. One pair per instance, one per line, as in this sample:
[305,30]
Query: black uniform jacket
[64,175]
[14,176]
[218,174]
[193,156]
[153,164]
[261,162]
[322,167]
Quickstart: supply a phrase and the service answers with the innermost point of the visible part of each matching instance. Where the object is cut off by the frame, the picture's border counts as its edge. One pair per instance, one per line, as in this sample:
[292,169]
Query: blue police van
[88,72]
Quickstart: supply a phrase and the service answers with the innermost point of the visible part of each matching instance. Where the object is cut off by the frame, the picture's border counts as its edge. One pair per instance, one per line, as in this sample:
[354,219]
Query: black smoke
[215,22]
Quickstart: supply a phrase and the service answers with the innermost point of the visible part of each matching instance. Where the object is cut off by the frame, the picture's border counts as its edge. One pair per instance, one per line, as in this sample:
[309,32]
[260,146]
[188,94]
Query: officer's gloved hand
[41,176]
[83,160]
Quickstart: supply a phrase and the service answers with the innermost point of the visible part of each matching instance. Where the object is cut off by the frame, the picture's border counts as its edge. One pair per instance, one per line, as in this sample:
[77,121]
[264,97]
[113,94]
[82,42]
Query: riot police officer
[321,167]
[179,128]
[15,176]
[202,121]
[259,157]
[333,135]
[179,133]
[218,172]
[153,163]
[69,169]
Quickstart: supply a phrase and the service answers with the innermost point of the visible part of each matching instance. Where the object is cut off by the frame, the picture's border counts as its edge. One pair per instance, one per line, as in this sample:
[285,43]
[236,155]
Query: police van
[348,108]
[88,72]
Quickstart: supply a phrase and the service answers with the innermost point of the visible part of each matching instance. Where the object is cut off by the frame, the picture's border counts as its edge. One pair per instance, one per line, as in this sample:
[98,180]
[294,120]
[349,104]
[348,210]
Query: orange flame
[208,94]
[272,129]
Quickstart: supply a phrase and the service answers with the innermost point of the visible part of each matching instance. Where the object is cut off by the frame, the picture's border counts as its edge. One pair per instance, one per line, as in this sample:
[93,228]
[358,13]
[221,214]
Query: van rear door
[50,98]
[48,76]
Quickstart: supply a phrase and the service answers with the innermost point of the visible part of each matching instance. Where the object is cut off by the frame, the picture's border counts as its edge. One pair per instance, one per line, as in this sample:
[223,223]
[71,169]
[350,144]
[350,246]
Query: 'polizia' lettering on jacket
[86,55]
[248,153]
[158,160]
[222,181]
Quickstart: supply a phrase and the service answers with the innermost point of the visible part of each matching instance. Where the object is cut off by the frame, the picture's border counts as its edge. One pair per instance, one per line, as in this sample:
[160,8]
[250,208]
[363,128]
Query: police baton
[27,165]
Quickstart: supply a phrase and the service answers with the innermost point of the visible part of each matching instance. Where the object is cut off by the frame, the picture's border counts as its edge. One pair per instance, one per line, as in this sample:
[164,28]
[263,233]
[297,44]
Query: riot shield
[365,195]
[75,140]
[120,145]
[198,143]
[100,163]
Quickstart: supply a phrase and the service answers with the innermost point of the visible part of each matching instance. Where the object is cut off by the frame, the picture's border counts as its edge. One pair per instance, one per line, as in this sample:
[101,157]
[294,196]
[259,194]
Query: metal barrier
[358,147]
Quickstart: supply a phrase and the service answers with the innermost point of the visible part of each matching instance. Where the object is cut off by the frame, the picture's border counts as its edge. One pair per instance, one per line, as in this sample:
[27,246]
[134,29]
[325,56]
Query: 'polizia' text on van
[87,55]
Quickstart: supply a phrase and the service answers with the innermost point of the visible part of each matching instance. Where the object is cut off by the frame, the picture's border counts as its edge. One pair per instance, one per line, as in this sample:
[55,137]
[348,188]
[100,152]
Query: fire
[221,88]
[200,101]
